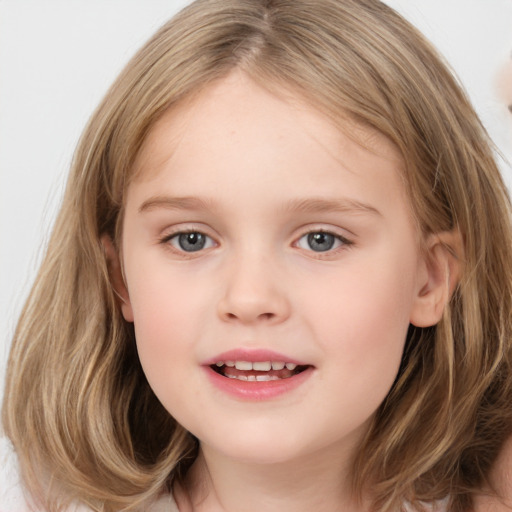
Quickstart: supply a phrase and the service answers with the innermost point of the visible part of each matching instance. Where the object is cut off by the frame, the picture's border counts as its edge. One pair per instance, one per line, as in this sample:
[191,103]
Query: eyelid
[320,227]
[185,227]
[183,231]
[338,236]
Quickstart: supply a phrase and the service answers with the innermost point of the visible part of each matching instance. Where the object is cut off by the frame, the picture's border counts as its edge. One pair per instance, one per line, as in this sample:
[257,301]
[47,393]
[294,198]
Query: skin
[250,160]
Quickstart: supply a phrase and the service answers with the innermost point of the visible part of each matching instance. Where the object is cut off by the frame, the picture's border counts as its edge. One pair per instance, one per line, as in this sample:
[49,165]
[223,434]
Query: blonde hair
[78,407]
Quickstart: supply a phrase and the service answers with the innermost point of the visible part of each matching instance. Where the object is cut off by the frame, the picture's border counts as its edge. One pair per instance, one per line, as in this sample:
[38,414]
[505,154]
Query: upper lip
[253,355]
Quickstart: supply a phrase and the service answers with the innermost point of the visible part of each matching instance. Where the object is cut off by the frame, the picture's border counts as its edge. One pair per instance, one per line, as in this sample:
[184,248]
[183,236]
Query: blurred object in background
[504,83]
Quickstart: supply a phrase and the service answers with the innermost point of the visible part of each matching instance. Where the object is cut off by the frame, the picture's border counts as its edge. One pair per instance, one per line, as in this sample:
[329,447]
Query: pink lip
[250,390]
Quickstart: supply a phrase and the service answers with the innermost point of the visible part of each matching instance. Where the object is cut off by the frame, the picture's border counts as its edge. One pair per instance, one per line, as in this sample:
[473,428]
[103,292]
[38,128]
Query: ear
[440,274]
[116,277]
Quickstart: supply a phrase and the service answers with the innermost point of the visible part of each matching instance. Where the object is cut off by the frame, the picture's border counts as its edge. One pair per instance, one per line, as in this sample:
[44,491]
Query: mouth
[257,371]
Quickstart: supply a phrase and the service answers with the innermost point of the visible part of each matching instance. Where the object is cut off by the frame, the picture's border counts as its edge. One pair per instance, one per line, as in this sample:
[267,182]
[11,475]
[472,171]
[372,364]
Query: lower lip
[257,390]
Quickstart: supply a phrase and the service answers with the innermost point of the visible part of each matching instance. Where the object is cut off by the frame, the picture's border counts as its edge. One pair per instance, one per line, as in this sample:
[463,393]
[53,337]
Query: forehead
[238,107]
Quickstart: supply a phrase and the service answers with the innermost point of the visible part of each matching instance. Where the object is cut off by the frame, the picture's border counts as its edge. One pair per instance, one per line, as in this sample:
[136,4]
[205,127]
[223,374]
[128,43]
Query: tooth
[263,378]
[291,366]
[242,377]
[243,365]
[277,365]
[251,378]
[231,376]
[231,364]
[219,363]
[262,366]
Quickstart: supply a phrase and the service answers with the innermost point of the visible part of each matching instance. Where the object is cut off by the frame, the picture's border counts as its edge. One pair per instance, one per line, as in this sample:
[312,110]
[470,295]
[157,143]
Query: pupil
[320,241]
[191,242]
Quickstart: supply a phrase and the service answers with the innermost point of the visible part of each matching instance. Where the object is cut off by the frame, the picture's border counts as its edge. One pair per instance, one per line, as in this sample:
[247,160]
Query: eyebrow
[175,203]
[322,205]
[307,205]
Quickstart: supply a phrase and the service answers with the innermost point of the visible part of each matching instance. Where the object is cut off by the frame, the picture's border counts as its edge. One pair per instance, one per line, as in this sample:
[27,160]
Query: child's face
[258,232]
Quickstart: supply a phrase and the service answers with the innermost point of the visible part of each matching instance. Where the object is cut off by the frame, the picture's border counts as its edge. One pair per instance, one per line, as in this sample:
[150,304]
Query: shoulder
[14,499]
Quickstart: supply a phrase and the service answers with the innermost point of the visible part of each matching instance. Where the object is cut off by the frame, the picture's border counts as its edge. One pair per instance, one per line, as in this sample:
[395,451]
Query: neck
[316,482]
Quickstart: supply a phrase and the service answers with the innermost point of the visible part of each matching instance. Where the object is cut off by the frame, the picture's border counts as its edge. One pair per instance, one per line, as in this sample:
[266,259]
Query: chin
[263,446]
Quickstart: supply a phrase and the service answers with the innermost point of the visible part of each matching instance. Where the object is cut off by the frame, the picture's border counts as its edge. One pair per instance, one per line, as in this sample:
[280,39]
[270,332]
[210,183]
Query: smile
[256,375]
[257,371]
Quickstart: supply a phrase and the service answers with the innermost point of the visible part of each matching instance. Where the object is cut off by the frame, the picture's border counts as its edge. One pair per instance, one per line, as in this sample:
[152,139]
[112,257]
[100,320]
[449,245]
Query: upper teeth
[260,366]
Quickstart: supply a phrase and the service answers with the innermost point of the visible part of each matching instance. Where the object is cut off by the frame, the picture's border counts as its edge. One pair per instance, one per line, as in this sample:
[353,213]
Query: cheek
[163,301]
[166,312]
[368,303]
[361,322]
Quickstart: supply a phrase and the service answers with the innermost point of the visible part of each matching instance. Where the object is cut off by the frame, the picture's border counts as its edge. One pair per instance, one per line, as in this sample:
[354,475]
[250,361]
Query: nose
[253,293]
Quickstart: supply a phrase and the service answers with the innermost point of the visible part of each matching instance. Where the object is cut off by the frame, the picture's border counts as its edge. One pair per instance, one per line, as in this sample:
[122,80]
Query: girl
[280,278]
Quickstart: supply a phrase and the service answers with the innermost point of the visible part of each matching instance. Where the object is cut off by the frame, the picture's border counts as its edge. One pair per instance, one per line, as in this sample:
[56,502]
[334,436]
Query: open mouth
[258,371]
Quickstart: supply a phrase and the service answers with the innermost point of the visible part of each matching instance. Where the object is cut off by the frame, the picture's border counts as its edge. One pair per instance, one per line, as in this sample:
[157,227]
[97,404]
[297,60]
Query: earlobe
[116,277]
[439,277]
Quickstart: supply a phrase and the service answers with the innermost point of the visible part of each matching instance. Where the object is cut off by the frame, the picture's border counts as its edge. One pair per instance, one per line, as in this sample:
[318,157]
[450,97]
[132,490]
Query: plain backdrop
[58,57]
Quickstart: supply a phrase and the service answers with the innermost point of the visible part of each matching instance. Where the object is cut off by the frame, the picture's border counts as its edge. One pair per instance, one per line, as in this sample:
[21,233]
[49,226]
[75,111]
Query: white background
[58,57]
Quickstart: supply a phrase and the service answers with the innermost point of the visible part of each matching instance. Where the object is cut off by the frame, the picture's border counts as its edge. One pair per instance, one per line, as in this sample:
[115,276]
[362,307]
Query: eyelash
[343,242]
[167,240]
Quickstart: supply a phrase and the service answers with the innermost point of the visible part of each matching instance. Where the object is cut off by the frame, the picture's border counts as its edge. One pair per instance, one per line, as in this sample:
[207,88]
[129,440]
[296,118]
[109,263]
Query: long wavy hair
[78,409]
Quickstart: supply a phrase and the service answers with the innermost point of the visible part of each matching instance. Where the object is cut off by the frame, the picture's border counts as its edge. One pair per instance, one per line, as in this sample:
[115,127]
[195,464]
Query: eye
[321,241]
[191,241]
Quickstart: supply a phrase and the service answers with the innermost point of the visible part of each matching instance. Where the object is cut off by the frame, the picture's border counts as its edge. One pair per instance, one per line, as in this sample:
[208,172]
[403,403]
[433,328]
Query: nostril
[253,306]
[248,315]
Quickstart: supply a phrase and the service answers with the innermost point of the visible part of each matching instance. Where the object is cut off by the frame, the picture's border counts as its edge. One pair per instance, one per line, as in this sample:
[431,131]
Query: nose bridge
[252,289]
